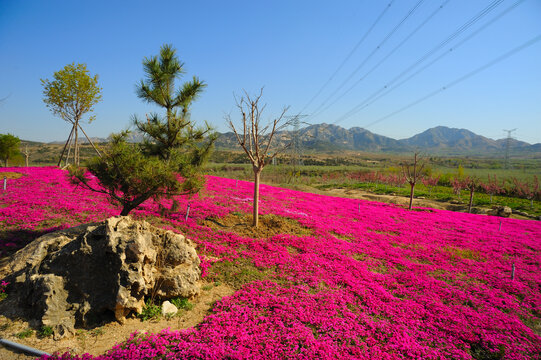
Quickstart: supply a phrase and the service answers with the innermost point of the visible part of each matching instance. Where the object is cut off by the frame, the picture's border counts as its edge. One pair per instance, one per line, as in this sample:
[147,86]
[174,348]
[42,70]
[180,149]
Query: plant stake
[513,272]
[187,212]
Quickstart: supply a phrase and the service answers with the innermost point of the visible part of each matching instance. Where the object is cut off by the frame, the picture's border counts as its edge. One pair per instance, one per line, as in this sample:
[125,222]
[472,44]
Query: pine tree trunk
[411,195]
[126,210]
[255,215]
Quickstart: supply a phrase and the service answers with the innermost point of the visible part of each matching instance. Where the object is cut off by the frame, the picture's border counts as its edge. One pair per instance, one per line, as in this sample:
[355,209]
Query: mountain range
[440,140]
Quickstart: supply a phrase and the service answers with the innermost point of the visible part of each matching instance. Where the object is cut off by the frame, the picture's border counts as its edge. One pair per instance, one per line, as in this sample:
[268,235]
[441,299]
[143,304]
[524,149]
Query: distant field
[334,169]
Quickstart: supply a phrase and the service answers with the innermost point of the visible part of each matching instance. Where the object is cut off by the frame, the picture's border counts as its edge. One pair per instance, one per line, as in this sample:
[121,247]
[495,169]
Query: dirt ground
[269,225]
[99,340]
[9,175]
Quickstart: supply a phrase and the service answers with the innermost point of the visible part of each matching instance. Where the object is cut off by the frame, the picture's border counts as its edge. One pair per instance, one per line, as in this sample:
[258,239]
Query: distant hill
[440,140]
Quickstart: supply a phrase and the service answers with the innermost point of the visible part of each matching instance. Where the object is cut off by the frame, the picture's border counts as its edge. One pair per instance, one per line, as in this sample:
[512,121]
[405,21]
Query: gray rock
[168,308]
[502,211]
[85,275]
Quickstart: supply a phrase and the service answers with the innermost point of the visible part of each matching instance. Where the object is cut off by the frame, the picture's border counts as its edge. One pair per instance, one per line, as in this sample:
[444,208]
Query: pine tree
[173,145]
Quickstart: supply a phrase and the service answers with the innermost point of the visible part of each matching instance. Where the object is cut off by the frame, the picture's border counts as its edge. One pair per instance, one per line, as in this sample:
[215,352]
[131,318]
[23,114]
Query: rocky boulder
[503,211]
[86,274]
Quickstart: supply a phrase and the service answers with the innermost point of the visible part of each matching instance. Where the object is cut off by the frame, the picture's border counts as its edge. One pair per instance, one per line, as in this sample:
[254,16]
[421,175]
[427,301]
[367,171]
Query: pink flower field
[373,281]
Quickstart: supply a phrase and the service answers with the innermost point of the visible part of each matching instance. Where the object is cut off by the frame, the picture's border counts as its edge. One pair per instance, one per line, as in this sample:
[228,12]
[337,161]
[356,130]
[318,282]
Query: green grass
[150,311]
[182,303]
[24,334]
[45,331]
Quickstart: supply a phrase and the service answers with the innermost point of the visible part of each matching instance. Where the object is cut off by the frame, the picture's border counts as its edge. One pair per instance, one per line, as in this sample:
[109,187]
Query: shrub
[150,311]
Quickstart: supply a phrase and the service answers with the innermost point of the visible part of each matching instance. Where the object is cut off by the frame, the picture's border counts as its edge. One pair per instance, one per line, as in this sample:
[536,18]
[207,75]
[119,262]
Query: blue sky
[291,48]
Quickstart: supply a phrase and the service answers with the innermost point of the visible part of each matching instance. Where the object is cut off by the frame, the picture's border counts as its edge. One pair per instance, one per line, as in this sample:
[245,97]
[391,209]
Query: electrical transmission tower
[507,145]
[296,142]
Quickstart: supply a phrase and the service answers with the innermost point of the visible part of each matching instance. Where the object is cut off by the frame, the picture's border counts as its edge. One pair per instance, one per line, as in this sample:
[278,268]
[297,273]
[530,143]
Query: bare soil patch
[10,175]
[98,340]
[269,225]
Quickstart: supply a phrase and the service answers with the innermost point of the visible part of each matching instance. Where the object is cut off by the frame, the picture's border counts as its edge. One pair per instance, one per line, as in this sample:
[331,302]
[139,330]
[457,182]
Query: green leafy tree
[71,95]
[9,147]
[173,145]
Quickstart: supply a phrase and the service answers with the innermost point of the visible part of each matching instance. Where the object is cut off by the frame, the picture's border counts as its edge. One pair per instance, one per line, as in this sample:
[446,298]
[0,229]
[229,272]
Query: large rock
[503,211]
[83,275]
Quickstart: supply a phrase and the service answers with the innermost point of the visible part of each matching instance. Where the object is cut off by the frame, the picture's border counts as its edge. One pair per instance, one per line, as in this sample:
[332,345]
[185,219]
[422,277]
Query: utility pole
[507,145]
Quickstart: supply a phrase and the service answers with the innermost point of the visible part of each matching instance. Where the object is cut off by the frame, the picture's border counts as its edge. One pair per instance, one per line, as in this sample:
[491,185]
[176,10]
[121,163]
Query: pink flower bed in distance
[379,282]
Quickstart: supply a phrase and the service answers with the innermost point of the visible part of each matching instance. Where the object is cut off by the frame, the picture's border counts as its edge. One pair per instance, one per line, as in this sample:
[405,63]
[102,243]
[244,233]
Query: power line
[385,90]
[460,79]
[376,49]
[389,54]
[348,56]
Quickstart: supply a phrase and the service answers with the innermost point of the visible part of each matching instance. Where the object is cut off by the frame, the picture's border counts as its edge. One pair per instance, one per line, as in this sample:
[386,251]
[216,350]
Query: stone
[168,308]
[502,211]
[92,273]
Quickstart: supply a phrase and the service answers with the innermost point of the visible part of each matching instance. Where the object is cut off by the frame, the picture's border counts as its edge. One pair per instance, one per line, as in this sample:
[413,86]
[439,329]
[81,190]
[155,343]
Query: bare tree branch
[259,137]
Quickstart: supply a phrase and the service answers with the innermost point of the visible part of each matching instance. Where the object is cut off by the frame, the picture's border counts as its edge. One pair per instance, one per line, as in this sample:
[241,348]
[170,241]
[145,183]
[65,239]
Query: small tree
[457,184]
[412,174]
[256,139]
[127,176]
[26,155]
[526,189]
[492,186]
[430,182]
[71,94]
[174,136]
[9,147]
[471,183]
[132,173]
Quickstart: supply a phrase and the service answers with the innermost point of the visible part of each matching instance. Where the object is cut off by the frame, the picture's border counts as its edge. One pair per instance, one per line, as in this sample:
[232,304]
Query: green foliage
[9,147]
[460,172]
[127,175]
[150,311]
[72,92]
[182,303]
[236,273]
[24,334]
[172,137]
[45,331]
[133,173]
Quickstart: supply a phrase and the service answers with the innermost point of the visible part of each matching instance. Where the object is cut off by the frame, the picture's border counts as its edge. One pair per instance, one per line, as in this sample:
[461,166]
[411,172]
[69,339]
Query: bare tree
[26,154]
[471,183]
[412,174]
[256,139]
